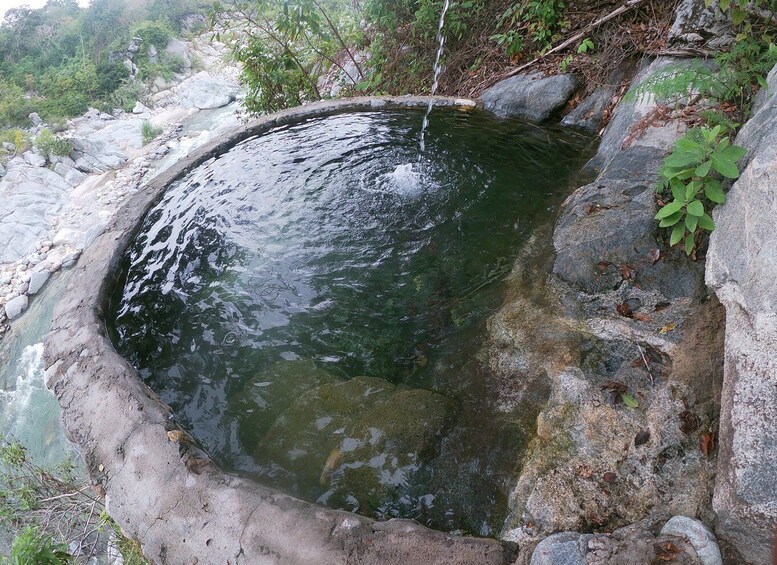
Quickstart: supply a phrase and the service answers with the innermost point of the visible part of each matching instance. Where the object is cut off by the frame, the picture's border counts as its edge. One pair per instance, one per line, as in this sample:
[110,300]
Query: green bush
[692,173]
[19,138]
[33,547]
[47,143]
[149,132]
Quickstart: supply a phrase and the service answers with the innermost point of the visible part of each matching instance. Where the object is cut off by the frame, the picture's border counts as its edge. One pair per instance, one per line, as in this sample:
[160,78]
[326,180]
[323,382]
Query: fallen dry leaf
[668,328]
[175,435]
[662,306]
[627,272]
[615,390]
[610,477]
[654,255]
[641,317]
[707,443]
[642,438]
[624,310]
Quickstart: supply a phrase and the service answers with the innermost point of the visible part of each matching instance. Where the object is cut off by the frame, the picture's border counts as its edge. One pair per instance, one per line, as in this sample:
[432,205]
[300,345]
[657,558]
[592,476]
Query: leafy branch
[692,174]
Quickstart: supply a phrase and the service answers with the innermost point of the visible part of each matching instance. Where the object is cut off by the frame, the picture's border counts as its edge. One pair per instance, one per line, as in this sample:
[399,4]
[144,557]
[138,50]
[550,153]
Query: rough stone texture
[698,535]
[37,280]
[532,97]
[29,198]
[697,25]
[35,119]
[637,544]
[565,548]
[179,49]
[204,92]
[742,268]
[34,159]
[621,314]
[158,486]
[16,306]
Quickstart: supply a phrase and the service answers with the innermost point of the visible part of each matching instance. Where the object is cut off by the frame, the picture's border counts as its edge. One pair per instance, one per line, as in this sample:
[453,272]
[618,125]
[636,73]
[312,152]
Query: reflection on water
[310,305]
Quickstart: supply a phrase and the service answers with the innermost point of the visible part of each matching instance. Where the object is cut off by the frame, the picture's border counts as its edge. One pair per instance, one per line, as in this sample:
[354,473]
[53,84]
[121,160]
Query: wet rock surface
[532,97]
[611,349]
[742,269]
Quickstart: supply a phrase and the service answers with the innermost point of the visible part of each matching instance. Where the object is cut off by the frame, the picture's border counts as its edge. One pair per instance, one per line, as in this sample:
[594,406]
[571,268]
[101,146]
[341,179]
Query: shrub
[31,546]
[47,143]
[149,132]
[692,174]
[19,138]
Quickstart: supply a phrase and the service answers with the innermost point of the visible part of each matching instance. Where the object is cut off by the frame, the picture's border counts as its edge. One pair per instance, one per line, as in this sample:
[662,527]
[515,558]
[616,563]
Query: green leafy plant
[47,144]
[586,46]
[149,132]
[33,546]
[692,173]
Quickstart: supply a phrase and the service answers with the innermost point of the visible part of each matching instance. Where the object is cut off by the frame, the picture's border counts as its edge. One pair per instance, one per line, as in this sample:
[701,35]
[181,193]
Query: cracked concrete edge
[159,487]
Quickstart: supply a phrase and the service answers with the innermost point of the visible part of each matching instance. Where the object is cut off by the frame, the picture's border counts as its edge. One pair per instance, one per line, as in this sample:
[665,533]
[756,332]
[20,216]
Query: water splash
[404,180]
[437,72]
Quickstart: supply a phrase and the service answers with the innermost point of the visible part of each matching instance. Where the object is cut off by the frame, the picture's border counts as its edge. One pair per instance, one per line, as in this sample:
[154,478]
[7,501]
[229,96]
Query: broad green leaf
[691,223]
[677,234]
[681,159]
[696,208]
[689,243]
[725,167]
[678,189]
[762,81]
[630,401]
[691,190]
[723,143]
[669,209]
[682,174]
[733,153]
[738,15]
[714,191]
[704,169]
[705,222]
[671,220]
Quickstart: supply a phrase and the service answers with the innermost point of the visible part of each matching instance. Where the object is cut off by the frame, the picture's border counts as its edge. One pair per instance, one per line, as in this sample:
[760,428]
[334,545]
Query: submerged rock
[532,97]
[358,442]
[262,400]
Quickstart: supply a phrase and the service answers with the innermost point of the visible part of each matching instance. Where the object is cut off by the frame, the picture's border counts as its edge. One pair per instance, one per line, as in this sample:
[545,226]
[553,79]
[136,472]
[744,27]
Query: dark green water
[311,302]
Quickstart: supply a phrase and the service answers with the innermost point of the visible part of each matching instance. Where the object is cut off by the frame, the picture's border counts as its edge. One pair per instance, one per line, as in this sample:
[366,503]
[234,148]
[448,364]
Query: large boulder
[699,25]
[742,268]
[205,92]
[532,97]
[179,49]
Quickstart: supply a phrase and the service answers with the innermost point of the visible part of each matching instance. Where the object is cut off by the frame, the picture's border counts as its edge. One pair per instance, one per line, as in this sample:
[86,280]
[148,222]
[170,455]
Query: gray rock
[742,269]
[16,306]
[8,146]
[134,46]
[701,26]
[2,171]
[34,159]
[698,535]
[564,548]
[72,176]
[531,97]
[140,108]
[153,54]
[37,280]
[179,49]
[204,92]
[131,67]
[64,159]
[35,119]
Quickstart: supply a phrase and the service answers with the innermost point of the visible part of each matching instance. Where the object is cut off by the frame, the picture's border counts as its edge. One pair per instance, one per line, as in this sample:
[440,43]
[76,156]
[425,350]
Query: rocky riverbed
[52,207]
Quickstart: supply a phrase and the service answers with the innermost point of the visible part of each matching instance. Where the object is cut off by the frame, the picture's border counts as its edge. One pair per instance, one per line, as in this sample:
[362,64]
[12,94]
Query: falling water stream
[437,71]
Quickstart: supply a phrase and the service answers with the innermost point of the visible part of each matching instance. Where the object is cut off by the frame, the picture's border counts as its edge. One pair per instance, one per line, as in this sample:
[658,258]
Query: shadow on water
[311,304]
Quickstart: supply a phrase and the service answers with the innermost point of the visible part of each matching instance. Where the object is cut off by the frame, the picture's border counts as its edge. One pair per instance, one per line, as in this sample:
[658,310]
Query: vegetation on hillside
[61,59]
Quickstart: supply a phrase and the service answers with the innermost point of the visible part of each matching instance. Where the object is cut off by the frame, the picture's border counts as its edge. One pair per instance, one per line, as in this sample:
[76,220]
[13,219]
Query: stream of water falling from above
[437,71]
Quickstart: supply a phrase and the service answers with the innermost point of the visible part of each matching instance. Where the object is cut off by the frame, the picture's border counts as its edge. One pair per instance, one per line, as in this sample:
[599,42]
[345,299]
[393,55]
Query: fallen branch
[578,36]
[647,366]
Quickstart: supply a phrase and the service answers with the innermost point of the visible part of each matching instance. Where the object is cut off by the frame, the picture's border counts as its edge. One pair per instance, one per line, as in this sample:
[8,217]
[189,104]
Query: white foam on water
[29,377]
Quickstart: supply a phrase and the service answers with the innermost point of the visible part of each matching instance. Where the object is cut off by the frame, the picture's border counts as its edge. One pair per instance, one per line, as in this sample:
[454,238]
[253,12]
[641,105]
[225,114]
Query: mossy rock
[259,404]
[376,465]
[299,444]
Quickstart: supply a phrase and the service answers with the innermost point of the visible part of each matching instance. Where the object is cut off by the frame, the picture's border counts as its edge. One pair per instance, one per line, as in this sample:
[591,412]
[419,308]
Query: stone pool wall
[159,487]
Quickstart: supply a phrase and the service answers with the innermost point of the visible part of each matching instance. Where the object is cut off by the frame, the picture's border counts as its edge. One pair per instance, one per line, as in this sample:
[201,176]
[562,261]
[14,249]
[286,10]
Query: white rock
[15,306]
[34,159]
[698,535]
[35,119]
[140,108]
[68,236]
[37,280]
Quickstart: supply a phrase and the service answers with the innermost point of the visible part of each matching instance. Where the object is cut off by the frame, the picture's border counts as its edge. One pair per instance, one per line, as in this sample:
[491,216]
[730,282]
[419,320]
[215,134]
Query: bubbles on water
[404,180]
